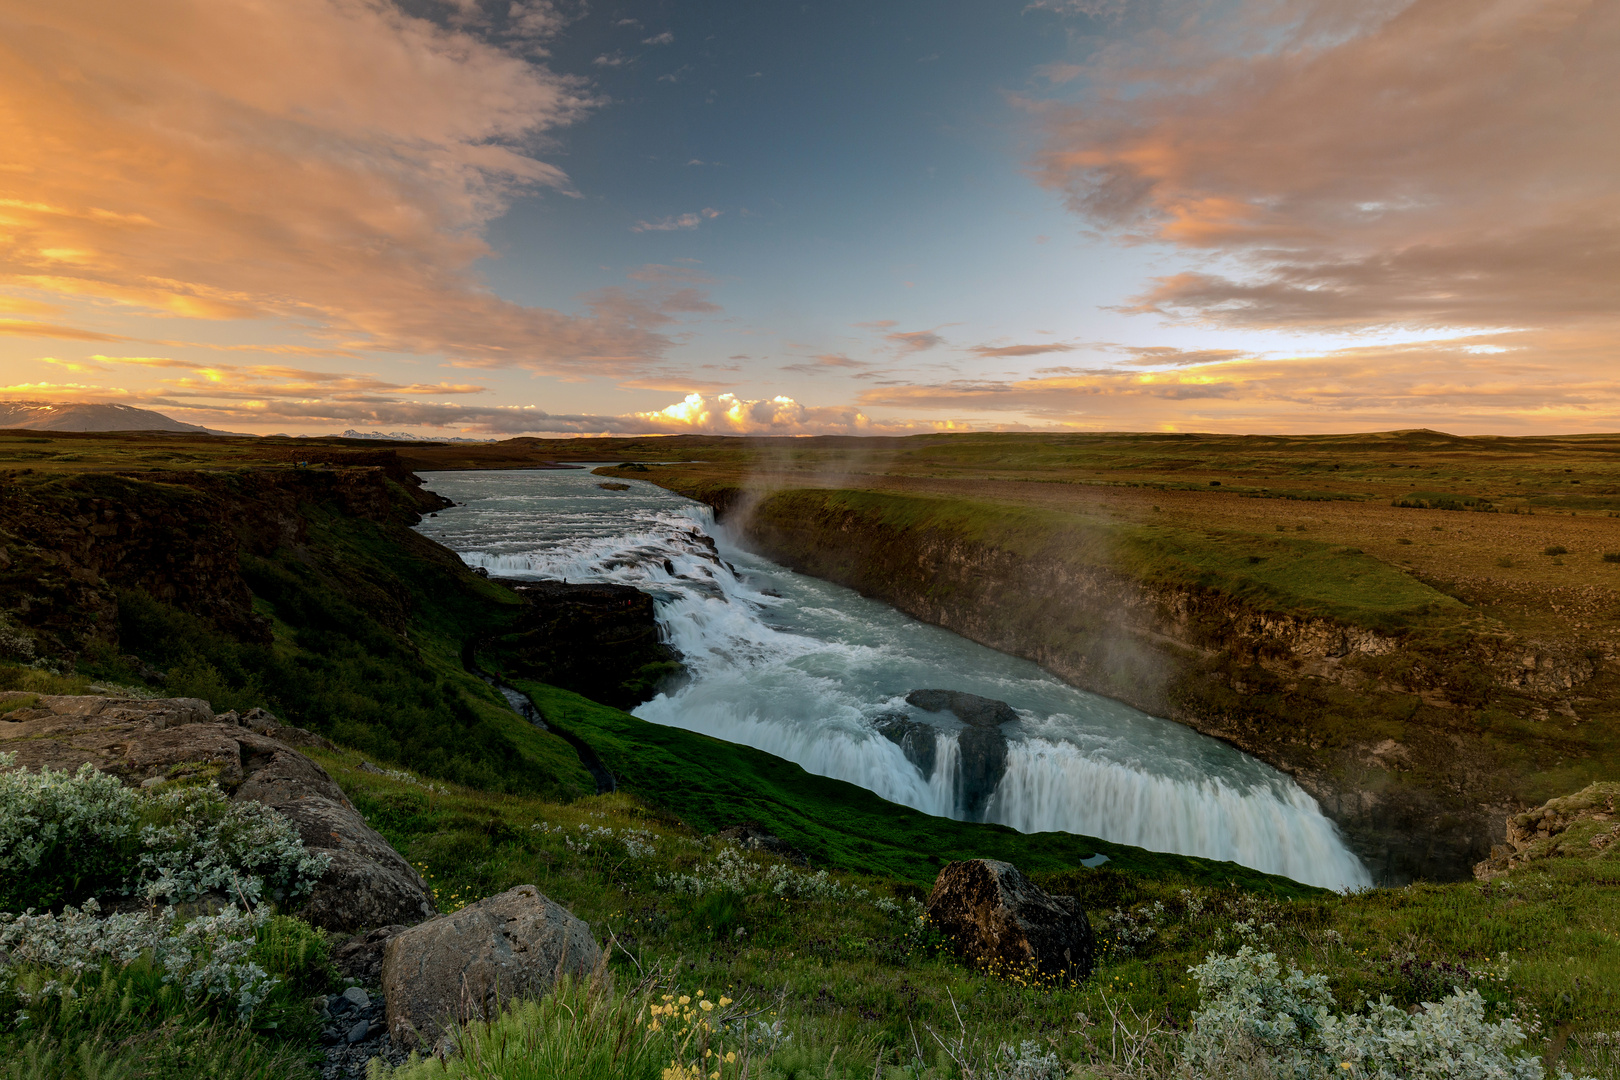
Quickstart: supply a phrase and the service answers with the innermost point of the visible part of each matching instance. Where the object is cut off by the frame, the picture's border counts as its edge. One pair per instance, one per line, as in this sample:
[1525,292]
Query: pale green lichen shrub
[66,837]
[204,843]
[1287,1020]
[732,871]
[1030,1061]
[205,956]
[63,835]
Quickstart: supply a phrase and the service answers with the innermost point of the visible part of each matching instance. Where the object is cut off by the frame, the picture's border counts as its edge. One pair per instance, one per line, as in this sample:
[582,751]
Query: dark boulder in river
[971,709]
[917,740]
[982,746]
[999,920]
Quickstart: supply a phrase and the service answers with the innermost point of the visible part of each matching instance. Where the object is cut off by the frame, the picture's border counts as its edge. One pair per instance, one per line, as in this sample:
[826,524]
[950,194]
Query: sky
[486,218]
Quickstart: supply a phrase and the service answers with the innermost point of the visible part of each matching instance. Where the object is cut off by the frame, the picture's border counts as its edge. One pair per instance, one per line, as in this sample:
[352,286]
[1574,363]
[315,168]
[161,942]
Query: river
[804,669]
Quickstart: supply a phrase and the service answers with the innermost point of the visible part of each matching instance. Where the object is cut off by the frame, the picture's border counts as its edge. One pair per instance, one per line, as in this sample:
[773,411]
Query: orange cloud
[33,329]
[1022,350]
[1543,381]
[1443,163]
[329,163]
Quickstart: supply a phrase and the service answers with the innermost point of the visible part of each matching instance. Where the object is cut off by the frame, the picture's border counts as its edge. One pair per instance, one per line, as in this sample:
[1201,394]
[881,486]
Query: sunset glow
[480,219]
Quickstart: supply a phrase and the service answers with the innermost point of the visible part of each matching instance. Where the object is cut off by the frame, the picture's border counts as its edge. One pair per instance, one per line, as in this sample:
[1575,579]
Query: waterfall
[807,670]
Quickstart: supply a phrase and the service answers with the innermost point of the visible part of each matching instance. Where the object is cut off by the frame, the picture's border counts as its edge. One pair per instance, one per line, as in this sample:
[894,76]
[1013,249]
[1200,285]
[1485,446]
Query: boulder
[144,742]
[971,709]
[917,740]
[464,966]
[982,746]
[752,836]
[997,919]
[361,956]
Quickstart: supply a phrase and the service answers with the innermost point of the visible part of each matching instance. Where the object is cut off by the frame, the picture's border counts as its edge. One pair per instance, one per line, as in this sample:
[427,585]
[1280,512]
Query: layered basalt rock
[599,640]
[981,745]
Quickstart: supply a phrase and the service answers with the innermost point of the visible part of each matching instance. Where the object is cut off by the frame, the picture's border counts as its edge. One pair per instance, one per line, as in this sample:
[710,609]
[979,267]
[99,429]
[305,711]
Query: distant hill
[72,416]
[402,436]
[395,436]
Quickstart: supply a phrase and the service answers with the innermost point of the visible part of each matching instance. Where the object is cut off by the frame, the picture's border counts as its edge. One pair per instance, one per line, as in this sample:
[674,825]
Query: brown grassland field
[1505,547]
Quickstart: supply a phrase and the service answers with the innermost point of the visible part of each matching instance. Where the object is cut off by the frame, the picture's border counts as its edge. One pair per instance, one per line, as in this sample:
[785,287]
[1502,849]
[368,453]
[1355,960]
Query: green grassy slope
[710,785]
[1542,944]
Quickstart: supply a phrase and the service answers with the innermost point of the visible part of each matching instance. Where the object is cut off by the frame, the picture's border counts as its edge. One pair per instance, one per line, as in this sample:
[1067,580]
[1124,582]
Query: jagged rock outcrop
[465,965]
[982,746]
[1583,825]
[144,742]
[997,919]
[917,740]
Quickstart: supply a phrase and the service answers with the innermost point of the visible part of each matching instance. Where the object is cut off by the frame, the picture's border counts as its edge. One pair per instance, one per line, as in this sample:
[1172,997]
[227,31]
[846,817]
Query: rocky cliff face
[597,640]
[67,544]
[1374,724]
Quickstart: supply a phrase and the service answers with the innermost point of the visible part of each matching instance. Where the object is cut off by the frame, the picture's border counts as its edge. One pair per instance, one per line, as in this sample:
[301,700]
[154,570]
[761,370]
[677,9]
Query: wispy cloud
[682,221]
[826,362]
[1023,350]
[1529,381]
[20,328]
[913,341]
[666,38]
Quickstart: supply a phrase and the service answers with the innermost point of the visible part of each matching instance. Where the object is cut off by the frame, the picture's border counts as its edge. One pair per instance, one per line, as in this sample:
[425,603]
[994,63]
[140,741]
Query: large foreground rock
[982,746]
[998,920]
[141,742]
[463,966]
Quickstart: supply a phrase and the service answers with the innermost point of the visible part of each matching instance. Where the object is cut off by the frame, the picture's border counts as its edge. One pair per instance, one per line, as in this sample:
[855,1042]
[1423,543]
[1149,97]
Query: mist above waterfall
[807,670]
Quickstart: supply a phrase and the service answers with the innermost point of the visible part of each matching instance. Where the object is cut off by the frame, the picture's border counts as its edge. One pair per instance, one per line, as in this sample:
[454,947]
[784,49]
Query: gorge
[810,671]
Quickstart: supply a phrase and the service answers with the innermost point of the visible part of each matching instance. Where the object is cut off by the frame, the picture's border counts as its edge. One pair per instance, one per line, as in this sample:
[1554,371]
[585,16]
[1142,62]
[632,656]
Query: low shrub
[66,838]
[1257,1019]
[1611,556]
[1555,549]
[206,956]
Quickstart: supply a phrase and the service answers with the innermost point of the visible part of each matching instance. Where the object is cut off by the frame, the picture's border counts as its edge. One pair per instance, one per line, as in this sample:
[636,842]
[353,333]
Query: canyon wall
[1382,727]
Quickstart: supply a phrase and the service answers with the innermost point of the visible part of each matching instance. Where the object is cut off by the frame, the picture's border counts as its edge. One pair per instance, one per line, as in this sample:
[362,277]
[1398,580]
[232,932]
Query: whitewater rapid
[802,669]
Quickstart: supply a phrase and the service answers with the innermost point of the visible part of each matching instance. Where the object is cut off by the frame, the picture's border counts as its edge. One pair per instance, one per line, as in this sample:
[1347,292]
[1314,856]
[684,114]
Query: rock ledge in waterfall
[982,746]
[917,740]
[997,919]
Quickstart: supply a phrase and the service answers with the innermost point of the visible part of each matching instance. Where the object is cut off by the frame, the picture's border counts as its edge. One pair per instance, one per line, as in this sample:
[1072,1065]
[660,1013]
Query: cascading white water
[803,669]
